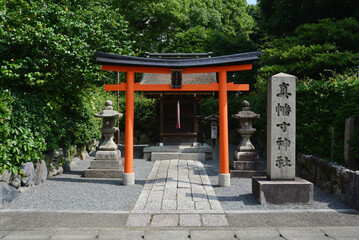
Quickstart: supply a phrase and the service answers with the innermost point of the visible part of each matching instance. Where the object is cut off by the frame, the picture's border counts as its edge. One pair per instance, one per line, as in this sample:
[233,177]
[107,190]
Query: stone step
[103,173]
[158,156]
[247,165]
[178,150]
[247,173]
[106,164]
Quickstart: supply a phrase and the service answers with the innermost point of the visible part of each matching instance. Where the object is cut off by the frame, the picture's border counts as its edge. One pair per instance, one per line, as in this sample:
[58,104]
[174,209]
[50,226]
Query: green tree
[37,38]
[312,55]
[282,17]
[47,63]
[156,24]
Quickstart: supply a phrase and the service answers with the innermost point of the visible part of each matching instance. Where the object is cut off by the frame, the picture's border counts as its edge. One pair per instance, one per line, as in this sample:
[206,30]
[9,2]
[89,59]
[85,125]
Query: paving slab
[27,235]
[184,193]
[165,221]
[303,233]
[216,206]
[212,235]
[341,233]
[203,206]
[153,206]
[29,220]
[254,234]
[142,200]
[190,220]
[167,235]
[155,196]
[214,220]
[3,234]
[291,219]
[138,220]
[122,235]
[158,187]
[184,183]
[198,197]
[74,235]
[169,205]
[170,194]
[185,205]
[171,185]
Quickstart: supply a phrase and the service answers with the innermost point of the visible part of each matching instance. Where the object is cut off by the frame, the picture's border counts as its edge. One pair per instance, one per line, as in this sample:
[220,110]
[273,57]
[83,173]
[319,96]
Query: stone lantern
[246,160]
[107,162]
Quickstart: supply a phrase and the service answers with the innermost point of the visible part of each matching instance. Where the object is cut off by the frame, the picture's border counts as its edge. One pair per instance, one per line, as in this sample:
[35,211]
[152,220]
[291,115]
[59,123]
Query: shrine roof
[228,60]
[178,55]
[190,78]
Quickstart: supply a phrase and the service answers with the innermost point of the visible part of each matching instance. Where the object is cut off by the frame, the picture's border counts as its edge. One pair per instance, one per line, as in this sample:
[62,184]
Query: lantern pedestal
[246,163]
[107,164]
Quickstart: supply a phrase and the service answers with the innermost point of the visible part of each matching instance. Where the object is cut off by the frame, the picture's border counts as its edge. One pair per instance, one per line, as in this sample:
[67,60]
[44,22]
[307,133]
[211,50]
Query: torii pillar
[224,175]
[129,175]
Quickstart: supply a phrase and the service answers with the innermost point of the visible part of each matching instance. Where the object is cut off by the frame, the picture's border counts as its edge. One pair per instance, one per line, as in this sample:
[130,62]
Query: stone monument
[107,162]
[246,162]
[281,186]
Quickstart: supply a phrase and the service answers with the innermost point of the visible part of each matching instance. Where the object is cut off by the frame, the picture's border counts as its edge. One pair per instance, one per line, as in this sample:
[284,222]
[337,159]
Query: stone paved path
[177,193]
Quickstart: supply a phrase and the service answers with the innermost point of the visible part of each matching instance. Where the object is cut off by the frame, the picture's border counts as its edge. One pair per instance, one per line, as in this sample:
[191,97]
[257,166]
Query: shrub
[322,107]
[316,51]
[21,138]
[29,126]
[144,114]
[48,76]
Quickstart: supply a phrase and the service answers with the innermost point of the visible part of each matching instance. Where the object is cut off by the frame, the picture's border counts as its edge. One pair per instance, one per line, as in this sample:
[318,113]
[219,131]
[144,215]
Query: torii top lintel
[228,63]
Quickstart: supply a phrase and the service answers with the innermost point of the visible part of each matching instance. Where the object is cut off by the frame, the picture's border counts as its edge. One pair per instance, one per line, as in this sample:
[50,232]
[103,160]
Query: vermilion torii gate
[222,65]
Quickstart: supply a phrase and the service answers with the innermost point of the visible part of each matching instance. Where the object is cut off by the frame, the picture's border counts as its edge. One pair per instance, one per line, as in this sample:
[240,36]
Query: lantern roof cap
[108,112]
[246,113]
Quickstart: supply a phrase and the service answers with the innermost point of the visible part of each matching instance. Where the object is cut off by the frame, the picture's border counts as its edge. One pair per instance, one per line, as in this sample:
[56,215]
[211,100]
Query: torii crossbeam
[222,65]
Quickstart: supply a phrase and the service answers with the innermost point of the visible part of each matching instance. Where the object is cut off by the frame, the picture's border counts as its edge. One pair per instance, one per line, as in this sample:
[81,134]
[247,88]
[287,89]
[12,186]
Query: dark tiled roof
[178,55]
[228,60]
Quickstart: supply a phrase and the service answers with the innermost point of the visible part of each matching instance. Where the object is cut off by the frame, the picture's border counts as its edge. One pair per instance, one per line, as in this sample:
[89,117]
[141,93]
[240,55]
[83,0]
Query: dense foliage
[144,115]
[282,17]
[156,24]
[51,86]
[21,138]
[314,51]
[322,107]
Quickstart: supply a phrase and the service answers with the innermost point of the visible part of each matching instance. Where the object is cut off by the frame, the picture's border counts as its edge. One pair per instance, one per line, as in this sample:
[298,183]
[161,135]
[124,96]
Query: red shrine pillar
[224,176]
[129,175]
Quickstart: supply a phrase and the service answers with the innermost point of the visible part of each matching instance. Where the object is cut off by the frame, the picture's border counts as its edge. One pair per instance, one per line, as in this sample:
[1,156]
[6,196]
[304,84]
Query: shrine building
[178,114]
[178,82]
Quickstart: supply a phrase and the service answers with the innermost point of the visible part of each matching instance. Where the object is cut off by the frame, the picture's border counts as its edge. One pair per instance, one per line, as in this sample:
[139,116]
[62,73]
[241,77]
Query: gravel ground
[70,191]
[239,195]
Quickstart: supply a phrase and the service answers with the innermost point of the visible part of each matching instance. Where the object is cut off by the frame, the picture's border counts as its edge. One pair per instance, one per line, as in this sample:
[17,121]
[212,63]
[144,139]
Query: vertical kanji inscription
[281,127]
